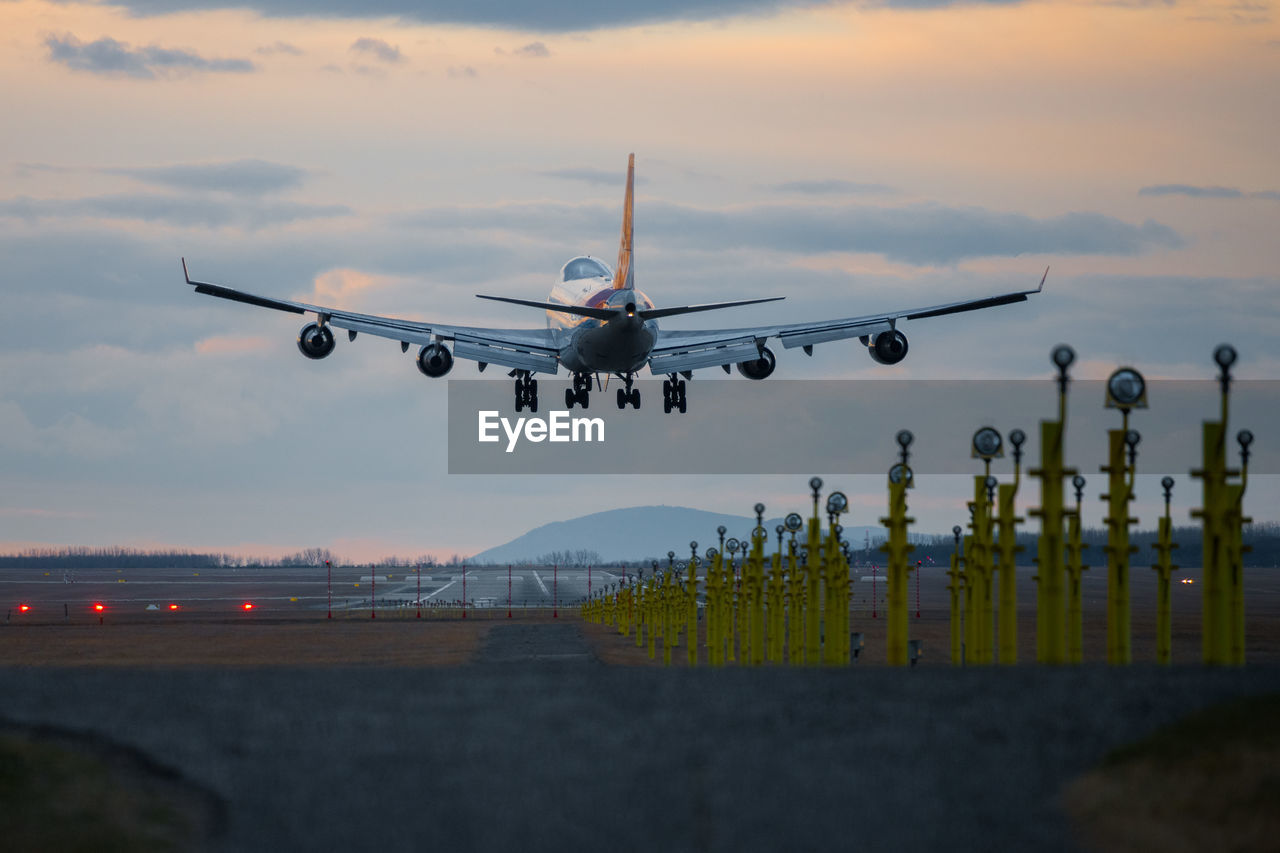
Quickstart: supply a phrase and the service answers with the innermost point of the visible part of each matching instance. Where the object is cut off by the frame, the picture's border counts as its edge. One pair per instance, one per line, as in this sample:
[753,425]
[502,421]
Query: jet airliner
[599,323]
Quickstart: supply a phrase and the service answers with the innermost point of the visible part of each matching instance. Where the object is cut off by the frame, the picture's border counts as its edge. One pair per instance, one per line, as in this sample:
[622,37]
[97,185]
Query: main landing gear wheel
[580,393]
[673,395]
[526,392]
[628,396]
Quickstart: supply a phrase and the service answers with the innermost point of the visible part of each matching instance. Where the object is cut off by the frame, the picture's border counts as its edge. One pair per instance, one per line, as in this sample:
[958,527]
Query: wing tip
[1042,279]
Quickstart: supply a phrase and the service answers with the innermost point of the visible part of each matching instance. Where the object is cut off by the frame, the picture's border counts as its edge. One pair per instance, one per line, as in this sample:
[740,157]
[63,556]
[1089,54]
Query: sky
[399,157]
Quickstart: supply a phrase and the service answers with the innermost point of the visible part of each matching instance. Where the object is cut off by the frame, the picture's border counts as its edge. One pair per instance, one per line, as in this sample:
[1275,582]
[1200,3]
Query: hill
[634,533]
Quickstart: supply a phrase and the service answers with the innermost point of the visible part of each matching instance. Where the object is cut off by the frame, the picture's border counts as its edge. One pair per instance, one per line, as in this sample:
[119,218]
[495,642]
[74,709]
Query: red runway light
[248,605]
[173,607]
[99,607]
[23,608]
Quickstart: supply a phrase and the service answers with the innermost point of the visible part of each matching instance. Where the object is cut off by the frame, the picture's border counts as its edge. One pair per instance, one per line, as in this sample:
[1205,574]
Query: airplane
[598,322]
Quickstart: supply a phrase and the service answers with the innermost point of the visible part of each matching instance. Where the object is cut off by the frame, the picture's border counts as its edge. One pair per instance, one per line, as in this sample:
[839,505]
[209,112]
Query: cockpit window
[585,268]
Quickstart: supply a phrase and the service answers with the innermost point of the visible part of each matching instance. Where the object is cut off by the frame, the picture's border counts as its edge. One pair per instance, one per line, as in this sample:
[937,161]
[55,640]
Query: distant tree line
[577,558]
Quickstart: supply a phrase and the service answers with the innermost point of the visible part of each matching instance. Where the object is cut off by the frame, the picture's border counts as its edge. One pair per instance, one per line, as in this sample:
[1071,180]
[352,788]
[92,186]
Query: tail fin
[622,277]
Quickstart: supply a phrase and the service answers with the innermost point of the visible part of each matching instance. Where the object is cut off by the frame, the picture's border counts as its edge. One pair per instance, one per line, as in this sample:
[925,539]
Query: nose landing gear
[628,396]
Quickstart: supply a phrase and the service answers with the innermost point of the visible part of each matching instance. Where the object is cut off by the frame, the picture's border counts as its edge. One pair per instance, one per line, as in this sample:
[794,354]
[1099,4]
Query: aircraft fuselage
[621,345]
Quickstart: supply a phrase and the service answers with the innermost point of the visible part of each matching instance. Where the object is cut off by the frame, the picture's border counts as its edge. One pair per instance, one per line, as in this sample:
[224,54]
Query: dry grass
[1208,783]
[64,796]
[311,642]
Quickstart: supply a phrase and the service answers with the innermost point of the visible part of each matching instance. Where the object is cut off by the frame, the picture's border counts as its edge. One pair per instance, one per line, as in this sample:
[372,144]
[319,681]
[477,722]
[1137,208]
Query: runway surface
[57,595]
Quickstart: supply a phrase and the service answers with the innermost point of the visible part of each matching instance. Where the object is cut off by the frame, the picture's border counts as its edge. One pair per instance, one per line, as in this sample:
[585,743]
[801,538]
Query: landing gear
[526,391]
[673,394]
[628,396]
[580,393]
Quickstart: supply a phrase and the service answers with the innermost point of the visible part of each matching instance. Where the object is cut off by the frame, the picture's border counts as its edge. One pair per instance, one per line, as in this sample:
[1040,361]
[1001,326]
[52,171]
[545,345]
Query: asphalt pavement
[537,746]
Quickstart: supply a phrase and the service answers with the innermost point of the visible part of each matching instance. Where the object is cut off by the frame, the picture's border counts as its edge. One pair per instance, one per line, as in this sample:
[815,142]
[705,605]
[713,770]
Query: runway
[53,595]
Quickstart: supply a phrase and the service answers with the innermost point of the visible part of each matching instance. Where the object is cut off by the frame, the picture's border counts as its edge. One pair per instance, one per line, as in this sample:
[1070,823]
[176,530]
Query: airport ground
[278,729]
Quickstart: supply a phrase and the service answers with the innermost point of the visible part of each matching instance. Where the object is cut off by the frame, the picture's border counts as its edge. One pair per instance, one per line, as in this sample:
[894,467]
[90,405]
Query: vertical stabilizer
[622,277]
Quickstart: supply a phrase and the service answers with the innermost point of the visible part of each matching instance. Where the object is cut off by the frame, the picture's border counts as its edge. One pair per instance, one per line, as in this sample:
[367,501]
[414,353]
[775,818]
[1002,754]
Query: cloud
[534,49]
[1207,192]
[462,71]
[236,177]
[833,186]
[180,211]
[920,234]
[232,344]
[110,57]
[544,16]
[279,47]
[607,177]
[378,49]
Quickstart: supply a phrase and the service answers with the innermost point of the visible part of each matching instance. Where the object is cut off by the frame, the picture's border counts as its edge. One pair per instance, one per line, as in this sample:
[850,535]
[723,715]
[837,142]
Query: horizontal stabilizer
[655,313]
[580,310]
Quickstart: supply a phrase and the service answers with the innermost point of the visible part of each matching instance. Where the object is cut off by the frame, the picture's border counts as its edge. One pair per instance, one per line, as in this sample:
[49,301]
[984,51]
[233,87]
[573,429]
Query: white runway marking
[446,586]
[542,586]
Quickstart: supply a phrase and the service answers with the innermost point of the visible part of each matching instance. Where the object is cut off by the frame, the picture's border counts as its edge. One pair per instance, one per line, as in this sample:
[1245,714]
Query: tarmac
[537,746]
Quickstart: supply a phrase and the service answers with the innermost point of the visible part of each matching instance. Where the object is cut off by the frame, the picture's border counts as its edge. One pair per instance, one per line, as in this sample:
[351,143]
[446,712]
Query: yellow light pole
[730,593]
[691,607]
[840,579]
[956,578]
[711,609]
[971,592]
[835,621]
[1007,629]
[813,576]
[795,593]
[1236,520]
[756,582]
[651,613]
[986,445]
[1223,516]
[715,601]
[777,617]
[1074,568]
[1126,390]
[896,549]
[1164,568]
[1051,633]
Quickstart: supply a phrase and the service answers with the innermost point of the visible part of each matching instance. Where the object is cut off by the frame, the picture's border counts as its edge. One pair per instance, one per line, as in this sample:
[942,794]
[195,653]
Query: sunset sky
[398,157]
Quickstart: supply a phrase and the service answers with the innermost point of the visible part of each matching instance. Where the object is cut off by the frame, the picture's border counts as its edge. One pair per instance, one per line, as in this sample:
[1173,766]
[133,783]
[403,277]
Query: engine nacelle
[759,368]
[435,360]
[315,341]
[888,347]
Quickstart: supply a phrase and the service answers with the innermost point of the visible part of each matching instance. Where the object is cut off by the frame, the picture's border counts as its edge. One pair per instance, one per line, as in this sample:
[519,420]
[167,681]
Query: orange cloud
[231,345]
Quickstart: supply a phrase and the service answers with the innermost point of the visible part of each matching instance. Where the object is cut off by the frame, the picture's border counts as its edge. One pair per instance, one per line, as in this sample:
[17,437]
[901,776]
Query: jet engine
[315,341]
[759,368]
[435,360]
[888,347]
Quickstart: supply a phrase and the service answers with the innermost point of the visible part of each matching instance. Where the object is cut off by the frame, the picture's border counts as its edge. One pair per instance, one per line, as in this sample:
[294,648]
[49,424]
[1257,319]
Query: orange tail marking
[622,273]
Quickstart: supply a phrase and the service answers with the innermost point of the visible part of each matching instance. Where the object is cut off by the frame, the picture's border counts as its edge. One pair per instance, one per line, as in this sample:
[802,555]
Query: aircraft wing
[535,350]
[677,351]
